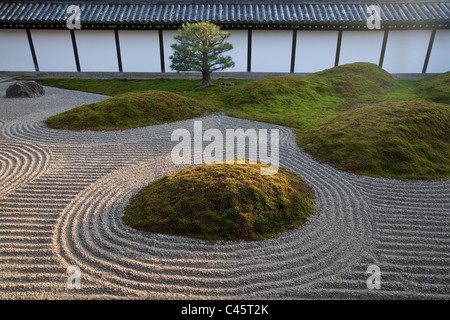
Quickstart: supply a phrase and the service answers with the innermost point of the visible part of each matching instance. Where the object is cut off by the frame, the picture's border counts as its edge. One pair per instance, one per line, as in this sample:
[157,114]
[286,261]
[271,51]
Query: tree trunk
[206,78]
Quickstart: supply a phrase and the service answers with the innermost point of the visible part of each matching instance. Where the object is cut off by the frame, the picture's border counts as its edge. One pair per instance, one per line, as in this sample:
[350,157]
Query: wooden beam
[294,48]
[75,50]
[383,48]
[338,48]
[161,50]
[249,51]
[119,56]
[430,46]
[33,53]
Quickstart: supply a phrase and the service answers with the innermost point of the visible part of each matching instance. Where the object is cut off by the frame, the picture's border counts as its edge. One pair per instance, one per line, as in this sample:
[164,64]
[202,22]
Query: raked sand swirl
[63,194]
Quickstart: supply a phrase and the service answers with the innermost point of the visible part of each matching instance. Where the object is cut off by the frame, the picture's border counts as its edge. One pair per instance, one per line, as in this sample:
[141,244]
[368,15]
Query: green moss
[341,84]
[128,110]
[436,88]
[396,139]
[114,87]
[316,104]
[222,202]
[309,101]
[354,81]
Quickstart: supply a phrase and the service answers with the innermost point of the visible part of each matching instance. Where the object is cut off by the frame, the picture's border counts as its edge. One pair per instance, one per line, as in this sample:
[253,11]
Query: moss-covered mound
[128,110]
[222,202]
[354,81]
[394,139]
[305,102]
[336,85]
[436,88]
[337,114]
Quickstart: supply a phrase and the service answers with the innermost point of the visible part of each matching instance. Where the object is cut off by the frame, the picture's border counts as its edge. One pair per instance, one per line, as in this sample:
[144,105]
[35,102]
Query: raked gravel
[62,195]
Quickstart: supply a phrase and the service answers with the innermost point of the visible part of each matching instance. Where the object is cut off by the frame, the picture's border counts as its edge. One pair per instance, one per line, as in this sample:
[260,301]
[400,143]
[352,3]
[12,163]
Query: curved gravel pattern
[63,194]
[20,163]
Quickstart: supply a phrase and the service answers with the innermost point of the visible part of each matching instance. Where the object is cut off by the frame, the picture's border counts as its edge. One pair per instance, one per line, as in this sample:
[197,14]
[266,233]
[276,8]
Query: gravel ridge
[63,193]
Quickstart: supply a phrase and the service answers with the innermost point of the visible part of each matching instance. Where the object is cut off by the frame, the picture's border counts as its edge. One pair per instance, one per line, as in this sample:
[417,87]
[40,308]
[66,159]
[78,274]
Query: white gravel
[62,195]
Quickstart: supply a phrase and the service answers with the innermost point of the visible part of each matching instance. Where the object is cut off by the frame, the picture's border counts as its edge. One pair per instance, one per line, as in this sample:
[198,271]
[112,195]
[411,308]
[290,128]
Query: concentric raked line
[235,277]
[21,163]
[62,238]
[412,224]
[28,216]
[357,221]
[400,226]
[31,128]
[96,208]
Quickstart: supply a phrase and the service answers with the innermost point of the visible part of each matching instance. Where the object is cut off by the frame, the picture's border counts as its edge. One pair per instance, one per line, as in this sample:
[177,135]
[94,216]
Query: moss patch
[395,139]
[222,202]
[128,110]
[308,101]
[315,105]
[436,88]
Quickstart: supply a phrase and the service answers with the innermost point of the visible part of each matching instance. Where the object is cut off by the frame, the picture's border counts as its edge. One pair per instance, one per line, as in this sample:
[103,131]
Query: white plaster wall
[440,53]
[168,51]
[15,54]
[239,40]
[316,50]
[271,51]
[97,50]
[406,51]
[54,50]
[140,51]
[361,46]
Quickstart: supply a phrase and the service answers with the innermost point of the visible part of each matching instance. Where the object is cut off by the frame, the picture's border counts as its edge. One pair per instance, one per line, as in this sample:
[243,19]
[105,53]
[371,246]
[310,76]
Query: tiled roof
[145,12]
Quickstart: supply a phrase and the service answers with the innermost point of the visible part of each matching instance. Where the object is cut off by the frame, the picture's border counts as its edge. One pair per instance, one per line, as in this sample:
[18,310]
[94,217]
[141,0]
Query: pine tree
[200,47]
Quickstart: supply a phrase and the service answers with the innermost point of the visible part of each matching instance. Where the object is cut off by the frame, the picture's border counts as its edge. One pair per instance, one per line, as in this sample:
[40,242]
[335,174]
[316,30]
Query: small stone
[348,165]
[227,84]
[25,89]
